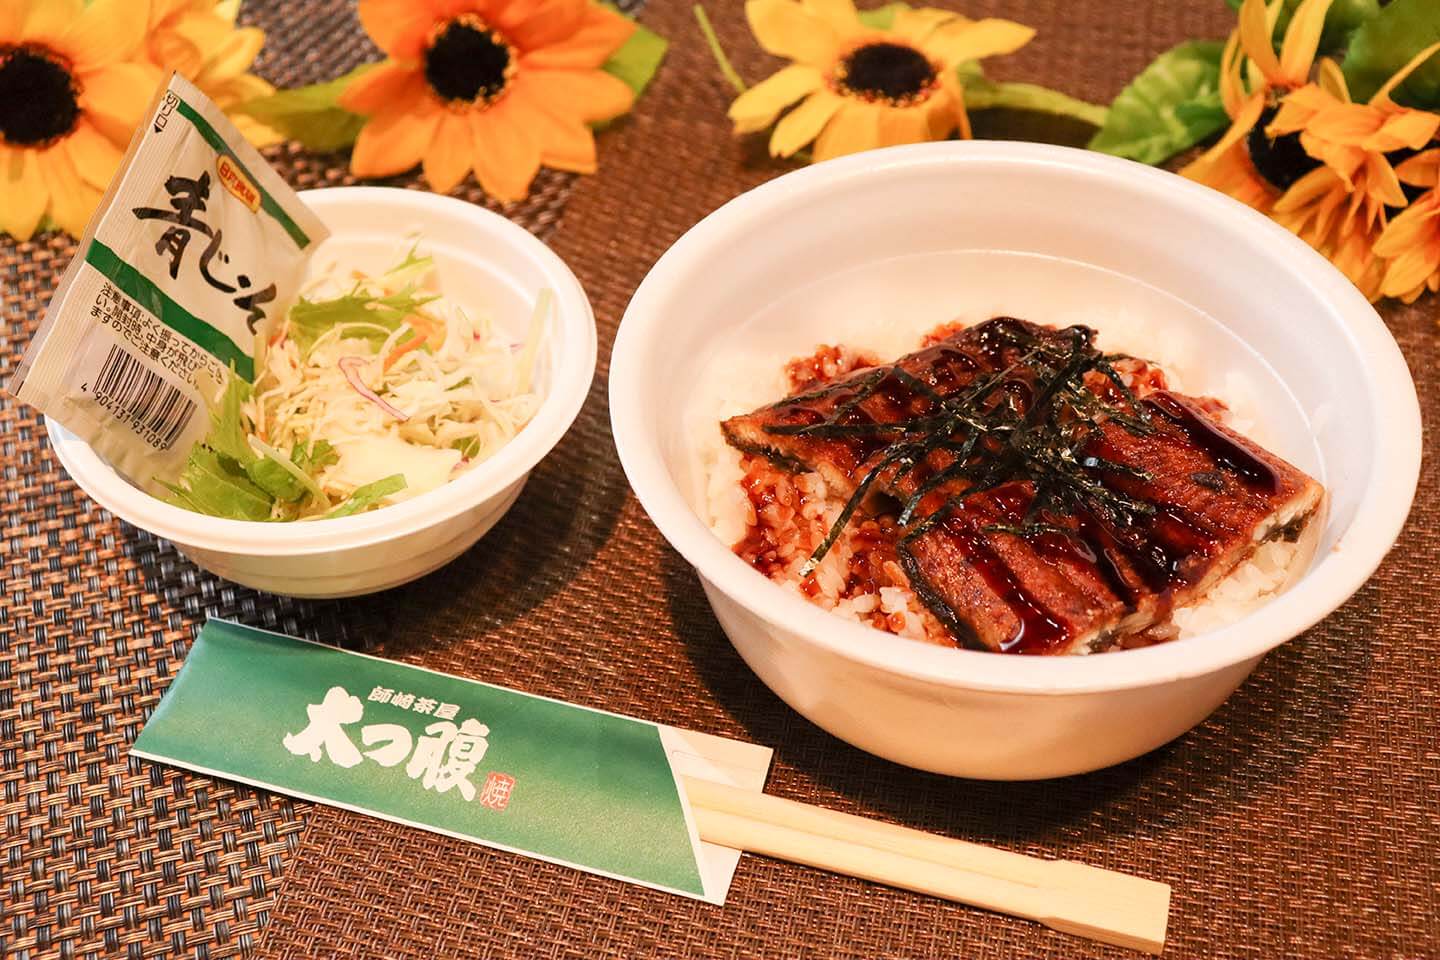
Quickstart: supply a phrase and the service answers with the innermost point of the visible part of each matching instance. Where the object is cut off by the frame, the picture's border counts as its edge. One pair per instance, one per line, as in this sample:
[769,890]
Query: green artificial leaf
[1172,104]
[1343,19]
[637,61]
[1033,97]
[311,115]
[1388,42]
[368,495]
[310,319]
[216,485]
[882,18]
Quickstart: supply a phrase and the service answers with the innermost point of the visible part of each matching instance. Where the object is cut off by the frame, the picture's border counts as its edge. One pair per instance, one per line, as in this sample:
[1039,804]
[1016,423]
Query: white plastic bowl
[481,258]
[914,231]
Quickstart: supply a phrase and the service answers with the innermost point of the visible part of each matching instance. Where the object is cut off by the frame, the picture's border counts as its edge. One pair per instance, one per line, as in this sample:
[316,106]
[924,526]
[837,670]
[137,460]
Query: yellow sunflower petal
[395,140]
[903,125]
[589,95]
[447,159]
[1411,229]
[1299,107]
[94,157]
[72,200]
[107,31]
[917,24]
[757,108]
[600,34]
[1407,129]
[1421,170]
[116,96]
[952,96]
[1382,96]
[547,22]
[804,123]
[782,27]
[565,142]
[1232,81]
[1409,270]
[1244,121]
[1302,39]
[855,127]
[1382,184]
[380,87]
[506,154]
[1332,79]
[23,196]
[398,27]
[1256,29]
[48,20]
[1307,189]
[12,18]
[839,14]
[953,44]
[233,57]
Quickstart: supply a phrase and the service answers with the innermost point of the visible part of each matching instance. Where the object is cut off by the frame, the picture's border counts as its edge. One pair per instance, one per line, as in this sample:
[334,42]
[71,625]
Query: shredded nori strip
[994,439]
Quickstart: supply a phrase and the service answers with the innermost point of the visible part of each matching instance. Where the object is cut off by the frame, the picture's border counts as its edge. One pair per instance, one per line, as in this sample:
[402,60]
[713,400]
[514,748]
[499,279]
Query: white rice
[749,381]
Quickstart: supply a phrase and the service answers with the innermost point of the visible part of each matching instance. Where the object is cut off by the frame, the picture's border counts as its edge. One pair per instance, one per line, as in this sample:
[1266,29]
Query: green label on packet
[507,769]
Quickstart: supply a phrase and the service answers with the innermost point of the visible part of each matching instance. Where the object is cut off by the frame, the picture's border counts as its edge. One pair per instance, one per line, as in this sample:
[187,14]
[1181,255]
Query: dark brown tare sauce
[1225,452]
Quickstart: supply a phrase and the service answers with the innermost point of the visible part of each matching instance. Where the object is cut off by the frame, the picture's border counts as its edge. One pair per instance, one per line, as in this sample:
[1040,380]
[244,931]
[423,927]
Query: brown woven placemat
[1300,821]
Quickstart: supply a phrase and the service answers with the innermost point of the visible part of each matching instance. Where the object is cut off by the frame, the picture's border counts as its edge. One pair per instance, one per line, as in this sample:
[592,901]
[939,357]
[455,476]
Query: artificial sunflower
[1245,163]
[1348,184]
[494,86]
[1410,244]
[199,40]
[73,86]
[859,87]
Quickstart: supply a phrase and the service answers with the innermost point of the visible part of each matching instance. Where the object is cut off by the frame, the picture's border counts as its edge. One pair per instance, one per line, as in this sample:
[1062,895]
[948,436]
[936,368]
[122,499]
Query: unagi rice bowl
[775,516]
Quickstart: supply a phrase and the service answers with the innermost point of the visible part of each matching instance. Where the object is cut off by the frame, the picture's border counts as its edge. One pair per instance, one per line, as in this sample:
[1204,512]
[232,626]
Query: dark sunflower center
[38,96]
[1280,160]
[886,71]
[467,61]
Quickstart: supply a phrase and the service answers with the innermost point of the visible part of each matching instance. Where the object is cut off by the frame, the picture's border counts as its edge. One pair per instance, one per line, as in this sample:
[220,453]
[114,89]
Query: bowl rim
[1332,579]
[570,385]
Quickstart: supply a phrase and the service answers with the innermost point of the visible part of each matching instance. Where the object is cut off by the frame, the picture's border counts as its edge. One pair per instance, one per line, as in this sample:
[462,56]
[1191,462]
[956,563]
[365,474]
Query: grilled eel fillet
[1213,497]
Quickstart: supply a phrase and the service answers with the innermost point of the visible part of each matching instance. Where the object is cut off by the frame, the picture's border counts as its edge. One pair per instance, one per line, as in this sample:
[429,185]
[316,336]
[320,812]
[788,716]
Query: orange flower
[199,39]
[72,89]
[1411,243]
[1252,78]
[494,86]
[1342,206]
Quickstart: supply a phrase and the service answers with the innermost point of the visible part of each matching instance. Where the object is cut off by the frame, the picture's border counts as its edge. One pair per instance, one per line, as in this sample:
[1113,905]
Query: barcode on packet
[155,408]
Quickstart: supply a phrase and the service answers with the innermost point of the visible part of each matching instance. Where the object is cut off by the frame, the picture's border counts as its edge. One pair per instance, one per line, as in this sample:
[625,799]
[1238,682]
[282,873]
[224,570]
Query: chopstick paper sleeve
[559,782]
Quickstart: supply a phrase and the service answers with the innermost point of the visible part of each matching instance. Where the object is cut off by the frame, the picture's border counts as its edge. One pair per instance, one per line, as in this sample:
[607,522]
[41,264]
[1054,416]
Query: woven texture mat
[1301,820]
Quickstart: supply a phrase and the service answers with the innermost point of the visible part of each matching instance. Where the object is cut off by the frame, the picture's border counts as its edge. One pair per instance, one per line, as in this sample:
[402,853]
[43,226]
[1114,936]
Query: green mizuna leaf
[311,115]
[1172,104]
[368,495]
[637,61]
[1386,43]
[227,435]
[216,485]
[310,319]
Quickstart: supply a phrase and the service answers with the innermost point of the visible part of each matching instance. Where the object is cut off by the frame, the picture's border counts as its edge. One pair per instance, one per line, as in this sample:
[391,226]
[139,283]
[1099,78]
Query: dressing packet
[196,249]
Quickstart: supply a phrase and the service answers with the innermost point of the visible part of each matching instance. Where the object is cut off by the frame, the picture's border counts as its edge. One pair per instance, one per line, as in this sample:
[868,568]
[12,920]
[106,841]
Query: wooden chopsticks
[1102,905]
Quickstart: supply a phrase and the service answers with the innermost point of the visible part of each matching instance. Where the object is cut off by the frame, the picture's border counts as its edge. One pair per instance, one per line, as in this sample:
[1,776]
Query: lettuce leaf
[1386,43]
[1170,105]
[369,494]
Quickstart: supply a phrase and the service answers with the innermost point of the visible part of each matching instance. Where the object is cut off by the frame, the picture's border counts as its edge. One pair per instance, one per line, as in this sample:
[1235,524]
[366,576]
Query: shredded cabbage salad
[373,389]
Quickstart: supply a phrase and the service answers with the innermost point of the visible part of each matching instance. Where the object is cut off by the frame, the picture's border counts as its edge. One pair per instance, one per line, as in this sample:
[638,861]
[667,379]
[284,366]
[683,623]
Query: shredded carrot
[424,332]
